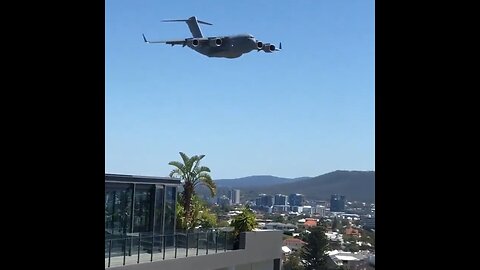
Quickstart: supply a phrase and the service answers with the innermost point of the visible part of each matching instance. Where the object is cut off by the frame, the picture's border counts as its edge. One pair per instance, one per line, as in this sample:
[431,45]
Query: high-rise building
[235,196]
[296,199]
[281,199]
[264,200]
[337,203]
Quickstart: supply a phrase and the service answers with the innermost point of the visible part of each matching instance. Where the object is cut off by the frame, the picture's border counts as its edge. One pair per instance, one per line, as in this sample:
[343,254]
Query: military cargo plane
[221,46]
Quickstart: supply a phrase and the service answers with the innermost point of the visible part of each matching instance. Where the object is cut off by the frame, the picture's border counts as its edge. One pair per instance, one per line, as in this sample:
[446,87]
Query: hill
[255,181]
[355,185]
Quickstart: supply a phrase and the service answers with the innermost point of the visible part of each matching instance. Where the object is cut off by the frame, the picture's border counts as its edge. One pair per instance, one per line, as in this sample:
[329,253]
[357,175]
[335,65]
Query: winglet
[144,38]
[279,47]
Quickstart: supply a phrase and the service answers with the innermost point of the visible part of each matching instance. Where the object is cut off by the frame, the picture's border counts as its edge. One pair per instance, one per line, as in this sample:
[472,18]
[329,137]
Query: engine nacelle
[194,42]
[215,42]
[259,45]
[267,47]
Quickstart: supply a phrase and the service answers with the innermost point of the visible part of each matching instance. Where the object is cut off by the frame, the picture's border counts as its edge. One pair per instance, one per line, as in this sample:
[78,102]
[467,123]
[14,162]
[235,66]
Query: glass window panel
[118,205]
[170,196]
[159,209]
[143,209]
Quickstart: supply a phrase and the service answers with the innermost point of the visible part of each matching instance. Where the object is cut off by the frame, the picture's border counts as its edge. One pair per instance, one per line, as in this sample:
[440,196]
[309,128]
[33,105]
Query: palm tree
[243,222]
[191,174]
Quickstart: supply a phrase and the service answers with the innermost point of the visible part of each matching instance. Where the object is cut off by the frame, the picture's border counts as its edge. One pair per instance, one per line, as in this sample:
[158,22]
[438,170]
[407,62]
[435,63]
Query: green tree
[314,251]
[352,247]
[192,175]
[293,262]
[334,245]
[304,235]
[279,219]
[201,216]
[223,223]
[335,224]
[180,215]
[368,237]
[243,222]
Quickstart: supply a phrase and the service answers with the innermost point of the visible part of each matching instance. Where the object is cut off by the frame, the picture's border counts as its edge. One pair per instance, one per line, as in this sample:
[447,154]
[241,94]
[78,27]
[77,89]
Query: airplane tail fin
[192,23]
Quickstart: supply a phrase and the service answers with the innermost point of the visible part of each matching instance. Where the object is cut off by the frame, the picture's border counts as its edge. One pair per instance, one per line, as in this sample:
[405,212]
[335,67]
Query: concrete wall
[261,248]
[265,265]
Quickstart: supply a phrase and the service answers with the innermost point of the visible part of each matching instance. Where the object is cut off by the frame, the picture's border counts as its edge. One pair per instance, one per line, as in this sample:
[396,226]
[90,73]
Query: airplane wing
[182,42]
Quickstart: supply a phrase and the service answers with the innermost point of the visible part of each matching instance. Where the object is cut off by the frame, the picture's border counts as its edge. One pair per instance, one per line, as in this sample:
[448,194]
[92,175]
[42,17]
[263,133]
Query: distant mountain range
[355,185]
[255,181]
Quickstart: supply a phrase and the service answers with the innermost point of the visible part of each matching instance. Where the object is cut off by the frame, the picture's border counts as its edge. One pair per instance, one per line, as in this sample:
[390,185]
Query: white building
[307,209]
[349,260]
[235,196]
[281,208]
[296,209]
[280,226]
[319,210]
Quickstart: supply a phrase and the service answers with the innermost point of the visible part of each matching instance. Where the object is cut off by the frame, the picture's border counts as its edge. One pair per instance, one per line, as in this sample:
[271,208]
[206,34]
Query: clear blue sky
[305,111]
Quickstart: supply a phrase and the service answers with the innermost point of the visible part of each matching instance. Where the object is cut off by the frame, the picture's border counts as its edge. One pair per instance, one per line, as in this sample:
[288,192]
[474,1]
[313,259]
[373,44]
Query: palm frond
[177,164]
[206,180]
[191,162]
[176,172]
[185,158]
[202,169]
[197,161]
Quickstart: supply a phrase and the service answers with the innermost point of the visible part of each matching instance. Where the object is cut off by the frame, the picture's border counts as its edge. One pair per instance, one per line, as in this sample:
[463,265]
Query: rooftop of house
[310,223]
[351,231]
[293,241]
[346,256]
[278,224]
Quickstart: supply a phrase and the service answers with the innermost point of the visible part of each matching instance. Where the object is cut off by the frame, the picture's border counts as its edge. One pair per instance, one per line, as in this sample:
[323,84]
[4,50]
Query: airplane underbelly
[227,54]
[227,50]
[230,51]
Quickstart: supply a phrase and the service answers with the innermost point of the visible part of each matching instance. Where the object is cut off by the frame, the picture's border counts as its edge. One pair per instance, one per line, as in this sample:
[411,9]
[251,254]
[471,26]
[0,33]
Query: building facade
[235,196]
[264,200]
[140,221]
[319,210]
[138,206]
[337,203]
[281,199]
[296,199]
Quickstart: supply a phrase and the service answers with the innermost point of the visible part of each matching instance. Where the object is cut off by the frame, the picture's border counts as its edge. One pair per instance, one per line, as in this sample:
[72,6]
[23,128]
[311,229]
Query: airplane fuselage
[231,47]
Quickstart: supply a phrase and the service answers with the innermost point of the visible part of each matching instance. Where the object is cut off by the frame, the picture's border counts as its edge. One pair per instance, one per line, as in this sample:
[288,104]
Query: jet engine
[215,42]
[259,45]
[267,47]
[194,42]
